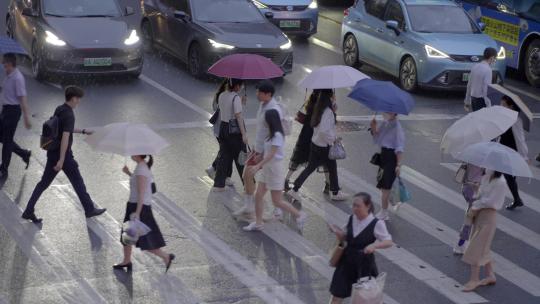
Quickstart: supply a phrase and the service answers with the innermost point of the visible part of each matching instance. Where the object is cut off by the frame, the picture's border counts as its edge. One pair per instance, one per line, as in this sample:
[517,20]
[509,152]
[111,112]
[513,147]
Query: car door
[372,29]
[179,28]
[393,41]
[161,10]
[24,29]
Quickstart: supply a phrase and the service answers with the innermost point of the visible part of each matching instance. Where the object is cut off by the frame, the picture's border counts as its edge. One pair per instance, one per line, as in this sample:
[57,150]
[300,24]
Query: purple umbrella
[245,66]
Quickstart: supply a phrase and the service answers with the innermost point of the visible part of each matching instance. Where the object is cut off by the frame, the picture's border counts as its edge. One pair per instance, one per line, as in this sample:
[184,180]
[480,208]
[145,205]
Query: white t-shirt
[141,170]
[279,141]
[325,133]
[380,231]
[225,101]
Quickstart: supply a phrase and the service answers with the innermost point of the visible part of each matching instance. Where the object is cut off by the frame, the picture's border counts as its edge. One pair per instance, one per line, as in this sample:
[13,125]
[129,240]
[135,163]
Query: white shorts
[272,174]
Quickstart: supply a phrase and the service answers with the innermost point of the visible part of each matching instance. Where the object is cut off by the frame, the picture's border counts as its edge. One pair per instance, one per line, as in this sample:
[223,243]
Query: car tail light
[346,12]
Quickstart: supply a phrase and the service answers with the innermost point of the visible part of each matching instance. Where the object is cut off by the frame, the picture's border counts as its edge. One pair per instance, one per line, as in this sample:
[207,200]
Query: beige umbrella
[496,92]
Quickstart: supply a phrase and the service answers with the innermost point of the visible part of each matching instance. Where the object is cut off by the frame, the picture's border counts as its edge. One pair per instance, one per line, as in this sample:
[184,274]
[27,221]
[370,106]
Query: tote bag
[369,290]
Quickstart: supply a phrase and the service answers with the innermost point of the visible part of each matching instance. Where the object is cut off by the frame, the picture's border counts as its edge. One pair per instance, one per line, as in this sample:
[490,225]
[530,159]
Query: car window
[178,5]
[226,11]
[375,7]
[394,12]
[81,8]
[441,19]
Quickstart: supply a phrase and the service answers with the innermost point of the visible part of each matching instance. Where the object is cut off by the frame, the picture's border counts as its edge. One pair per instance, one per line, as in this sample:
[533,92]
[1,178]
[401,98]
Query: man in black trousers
[14,104]
[61,158]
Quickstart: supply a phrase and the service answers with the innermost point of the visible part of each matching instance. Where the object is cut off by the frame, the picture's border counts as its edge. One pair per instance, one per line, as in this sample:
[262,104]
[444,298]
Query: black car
[199,32]
[76,36]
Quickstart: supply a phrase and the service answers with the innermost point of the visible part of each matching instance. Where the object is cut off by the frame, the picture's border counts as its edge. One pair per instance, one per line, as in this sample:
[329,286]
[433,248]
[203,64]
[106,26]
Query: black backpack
[50,134]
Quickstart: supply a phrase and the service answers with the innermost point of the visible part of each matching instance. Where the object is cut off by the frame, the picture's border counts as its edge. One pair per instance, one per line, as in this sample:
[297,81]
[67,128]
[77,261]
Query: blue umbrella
[382,96]
[8,45]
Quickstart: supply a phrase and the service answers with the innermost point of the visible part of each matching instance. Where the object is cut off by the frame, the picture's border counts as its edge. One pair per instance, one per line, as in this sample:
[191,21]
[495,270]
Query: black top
[507,139]
[67,122]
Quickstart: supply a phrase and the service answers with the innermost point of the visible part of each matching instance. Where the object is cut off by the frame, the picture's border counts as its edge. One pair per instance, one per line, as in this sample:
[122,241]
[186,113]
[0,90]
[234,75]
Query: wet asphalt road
[68,259]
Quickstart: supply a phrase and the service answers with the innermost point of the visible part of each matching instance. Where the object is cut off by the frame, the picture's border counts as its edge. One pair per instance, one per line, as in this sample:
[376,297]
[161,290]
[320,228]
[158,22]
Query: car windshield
[226,11]
[527,8]
[81,8]
[440,19]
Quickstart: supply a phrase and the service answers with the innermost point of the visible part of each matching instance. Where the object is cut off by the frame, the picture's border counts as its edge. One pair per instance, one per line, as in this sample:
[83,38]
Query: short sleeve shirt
[67,121]
[13,88]
[229,104]
[141,170]
[278,141]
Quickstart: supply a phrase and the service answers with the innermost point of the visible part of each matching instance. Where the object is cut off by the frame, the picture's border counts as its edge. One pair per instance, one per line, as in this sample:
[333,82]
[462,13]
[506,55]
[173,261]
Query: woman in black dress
[361,237]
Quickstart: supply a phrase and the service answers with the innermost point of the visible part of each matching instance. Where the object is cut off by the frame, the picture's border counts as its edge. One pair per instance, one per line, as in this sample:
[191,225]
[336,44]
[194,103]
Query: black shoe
[31,217]
[287,186]
[128,266]
[514,205]
[95,212]
[171,258]
[26,158]
[3,174]
[538,158]
[326,188]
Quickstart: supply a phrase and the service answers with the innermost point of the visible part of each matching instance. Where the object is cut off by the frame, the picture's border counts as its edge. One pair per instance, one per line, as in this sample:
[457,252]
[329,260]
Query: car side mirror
[394,25]
[482,26]
[29,12]
[269,15]
[181,15]
[129,11]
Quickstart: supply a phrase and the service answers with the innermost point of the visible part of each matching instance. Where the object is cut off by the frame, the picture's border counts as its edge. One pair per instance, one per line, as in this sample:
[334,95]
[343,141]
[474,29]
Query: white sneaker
[383,215]
[459,250]
[229,182]
[219,189]
[211,172]
[253,227]
[295,195]
[340,196]
[301,220]
[278,214]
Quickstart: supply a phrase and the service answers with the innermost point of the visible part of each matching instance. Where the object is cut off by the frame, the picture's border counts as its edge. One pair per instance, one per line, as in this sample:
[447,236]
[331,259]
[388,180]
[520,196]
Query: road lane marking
[175,96]
[523,92]
[455,199]
[518,276]
[293,242]
[532,202]
[326,45]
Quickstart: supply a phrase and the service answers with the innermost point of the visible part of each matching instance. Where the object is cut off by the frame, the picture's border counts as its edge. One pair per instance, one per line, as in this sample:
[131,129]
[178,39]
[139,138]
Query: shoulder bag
[337,253]
[337,151]
[376,159]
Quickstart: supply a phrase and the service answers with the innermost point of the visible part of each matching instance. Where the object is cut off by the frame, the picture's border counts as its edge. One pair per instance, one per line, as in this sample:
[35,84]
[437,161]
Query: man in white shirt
[479,79]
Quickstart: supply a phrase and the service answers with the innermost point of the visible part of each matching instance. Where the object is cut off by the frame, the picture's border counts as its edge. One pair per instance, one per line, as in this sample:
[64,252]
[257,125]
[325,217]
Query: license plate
[98,61]
[289,23]
[465,77]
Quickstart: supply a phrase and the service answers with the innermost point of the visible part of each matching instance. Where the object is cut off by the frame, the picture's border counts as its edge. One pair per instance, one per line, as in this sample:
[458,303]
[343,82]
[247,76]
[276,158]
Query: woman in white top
[323,122]
[361,237]
[139,207]
[272,176]
[484,213]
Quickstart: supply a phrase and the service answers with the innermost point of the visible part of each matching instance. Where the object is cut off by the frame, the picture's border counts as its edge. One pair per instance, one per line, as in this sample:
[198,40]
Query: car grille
[295,8]
[466,58]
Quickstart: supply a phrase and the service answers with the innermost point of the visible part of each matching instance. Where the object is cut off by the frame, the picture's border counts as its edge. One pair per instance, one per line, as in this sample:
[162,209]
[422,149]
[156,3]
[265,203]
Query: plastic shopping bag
[369,290]
[404,194]
[132,230]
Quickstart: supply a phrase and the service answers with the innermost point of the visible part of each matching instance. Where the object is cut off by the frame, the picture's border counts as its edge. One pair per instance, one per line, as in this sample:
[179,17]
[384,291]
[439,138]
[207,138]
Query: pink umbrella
[245,66]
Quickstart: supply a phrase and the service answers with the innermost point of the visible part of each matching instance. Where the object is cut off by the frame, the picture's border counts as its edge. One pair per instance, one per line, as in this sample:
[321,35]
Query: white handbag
[369,290]
[337,151]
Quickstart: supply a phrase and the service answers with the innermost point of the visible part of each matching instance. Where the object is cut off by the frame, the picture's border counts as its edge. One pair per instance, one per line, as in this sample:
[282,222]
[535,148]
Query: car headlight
[132,39]
[313,5]
[501,54]
[218,45]
[434,53]
[51,38]
[286,46]
[259,4]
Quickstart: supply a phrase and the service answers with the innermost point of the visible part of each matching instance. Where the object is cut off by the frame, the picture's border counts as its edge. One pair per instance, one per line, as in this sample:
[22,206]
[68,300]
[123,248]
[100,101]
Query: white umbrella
[127,139]
[496,92]
[497,157]
[332,77]
[480,126]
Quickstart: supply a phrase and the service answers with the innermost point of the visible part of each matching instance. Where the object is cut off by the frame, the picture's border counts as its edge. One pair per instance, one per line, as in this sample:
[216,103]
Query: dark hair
[310,103]
[10,58]
[73,91]
[274,122]
[496,174]
[366,199]
[222,87]
[323,101]
[489,53]
[233,82]
[150,161]
[511,103]
[266,86]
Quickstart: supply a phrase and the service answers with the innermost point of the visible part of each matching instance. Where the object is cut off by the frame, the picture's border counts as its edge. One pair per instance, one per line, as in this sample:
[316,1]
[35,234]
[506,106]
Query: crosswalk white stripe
[293,242]
[452,197]
[504,267]
[532,202]
[259,283]
[410,263]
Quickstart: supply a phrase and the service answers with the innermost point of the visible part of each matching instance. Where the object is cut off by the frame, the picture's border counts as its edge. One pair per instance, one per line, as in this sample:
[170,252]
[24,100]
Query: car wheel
[350,51]
[10,27]
[532,63]
[38,70]
[408,75]
[194,61]
[148,36]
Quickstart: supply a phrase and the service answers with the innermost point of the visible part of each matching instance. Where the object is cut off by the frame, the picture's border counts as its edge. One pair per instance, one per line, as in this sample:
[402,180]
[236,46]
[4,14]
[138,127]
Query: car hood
[247,35]
[286,2]
[459,44]
[88,32]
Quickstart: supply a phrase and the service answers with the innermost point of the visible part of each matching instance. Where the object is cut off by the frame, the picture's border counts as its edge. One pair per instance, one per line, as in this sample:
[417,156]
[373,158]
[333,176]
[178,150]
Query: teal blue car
[424,43]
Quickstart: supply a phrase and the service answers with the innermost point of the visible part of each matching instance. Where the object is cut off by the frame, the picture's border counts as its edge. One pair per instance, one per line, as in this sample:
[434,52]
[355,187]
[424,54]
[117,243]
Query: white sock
[249,200]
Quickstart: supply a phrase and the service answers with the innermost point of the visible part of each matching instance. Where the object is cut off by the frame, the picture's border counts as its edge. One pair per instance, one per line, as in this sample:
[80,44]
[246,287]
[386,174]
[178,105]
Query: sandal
[489,281]
[471,286]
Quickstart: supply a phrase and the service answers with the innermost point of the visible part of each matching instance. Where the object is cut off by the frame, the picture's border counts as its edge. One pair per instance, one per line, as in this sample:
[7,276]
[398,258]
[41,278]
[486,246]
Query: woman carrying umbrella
[514,138]
[140,205]
[389,136]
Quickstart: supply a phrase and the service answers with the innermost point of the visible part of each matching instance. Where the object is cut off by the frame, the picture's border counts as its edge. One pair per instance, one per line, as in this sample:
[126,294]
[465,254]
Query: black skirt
[300,155]
[387,170]
[154,239]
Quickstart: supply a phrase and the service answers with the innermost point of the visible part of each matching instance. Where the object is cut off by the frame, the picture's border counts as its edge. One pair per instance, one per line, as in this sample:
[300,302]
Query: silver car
[76,36]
